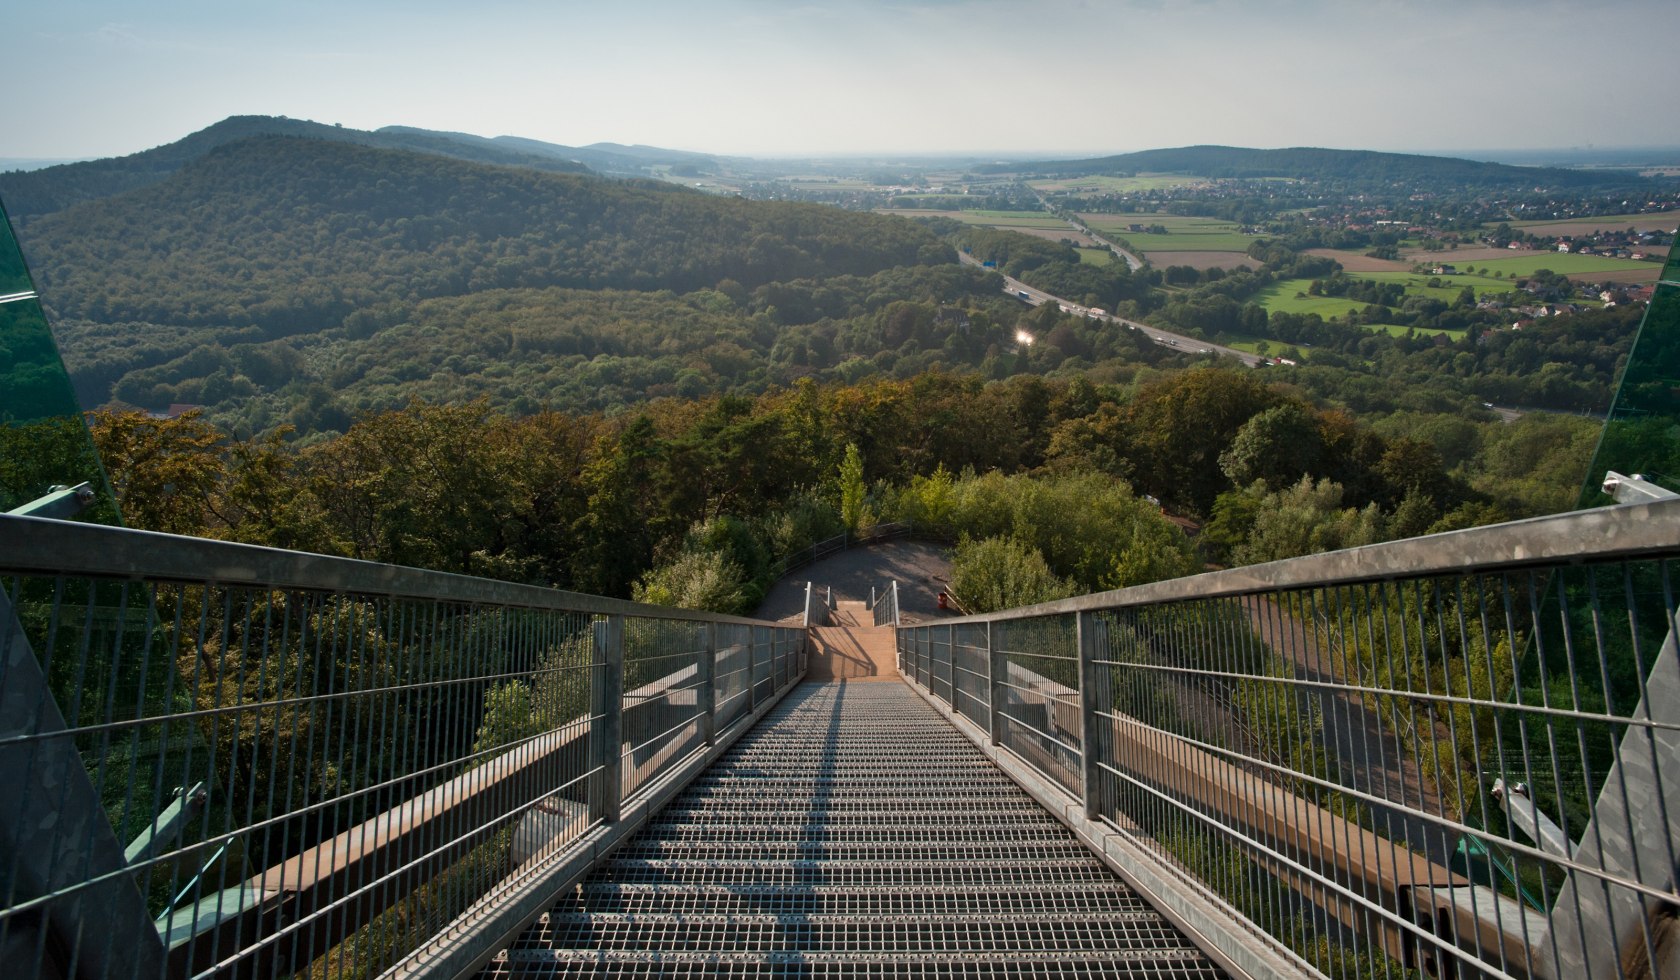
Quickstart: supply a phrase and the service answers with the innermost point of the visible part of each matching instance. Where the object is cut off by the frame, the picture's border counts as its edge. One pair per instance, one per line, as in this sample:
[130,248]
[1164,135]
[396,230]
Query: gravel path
[920,568]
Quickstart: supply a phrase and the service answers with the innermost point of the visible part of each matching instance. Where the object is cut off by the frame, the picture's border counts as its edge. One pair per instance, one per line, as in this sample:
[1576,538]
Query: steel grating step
[855,873]
[853,832]
[1102,898]
[903,935]
[968,830]
[653,849]
[1183,964]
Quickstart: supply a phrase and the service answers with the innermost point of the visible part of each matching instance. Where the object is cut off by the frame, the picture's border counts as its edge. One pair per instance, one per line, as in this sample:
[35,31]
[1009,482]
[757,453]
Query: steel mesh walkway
[853,832]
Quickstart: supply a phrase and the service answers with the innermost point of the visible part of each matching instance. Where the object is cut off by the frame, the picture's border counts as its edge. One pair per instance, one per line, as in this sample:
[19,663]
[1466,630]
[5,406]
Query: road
[1038,297]
[1133,262]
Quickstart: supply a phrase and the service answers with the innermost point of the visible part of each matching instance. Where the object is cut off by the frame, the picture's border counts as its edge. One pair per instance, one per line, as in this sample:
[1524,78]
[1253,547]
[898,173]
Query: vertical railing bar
[1337,714]
[72,721]
[706,696]
[1334,653]
[609,656]
[1257,672]
[1090,637]
[1618,765]
[1586,763]
[249,706]
[1645,696]
[392,683]
[1466,645]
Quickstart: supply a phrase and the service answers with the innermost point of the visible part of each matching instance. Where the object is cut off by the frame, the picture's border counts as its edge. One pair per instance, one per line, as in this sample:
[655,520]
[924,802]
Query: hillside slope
[50,189]
[1326,164]
[290,234]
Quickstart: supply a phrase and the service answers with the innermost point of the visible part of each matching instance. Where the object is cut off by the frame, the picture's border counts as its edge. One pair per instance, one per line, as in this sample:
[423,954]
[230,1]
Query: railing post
[705,695]
[607,707]
[951,666]
[752,668]
[1093,699]
[994,682]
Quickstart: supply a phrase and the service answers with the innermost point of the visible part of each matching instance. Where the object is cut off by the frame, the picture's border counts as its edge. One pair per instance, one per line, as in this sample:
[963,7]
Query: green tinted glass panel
[1642,433]
[44,439]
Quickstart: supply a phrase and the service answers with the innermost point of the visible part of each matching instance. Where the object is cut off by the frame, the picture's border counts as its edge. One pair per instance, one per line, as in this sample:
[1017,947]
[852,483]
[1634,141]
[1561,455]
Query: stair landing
[851,649]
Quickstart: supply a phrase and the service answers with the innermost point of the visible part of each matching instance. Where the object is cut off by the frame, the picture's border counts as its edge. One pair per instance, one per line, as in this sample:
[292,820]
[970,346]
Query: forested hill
[609,158]
[36,192]
[289,234]
[1333,165]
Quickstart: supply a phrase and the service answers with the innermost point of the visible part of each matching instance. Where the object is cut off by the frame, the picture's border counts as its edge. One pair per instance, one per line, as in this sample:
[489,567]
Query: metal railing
[817,605]
[884,604]
[873,534]
[237,761]
[1458,754]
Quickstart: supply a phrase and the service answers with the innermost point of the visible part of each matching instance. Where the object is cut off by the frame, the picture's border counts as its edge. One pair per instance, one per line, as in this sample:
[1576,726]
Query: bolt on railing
[325,767]
[1328,749]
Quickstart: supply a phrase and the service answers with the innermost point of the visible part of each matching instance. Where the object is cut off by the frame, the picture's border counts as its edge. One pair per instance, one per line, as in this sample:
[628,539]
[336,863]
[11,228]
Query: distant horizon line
[1481,154]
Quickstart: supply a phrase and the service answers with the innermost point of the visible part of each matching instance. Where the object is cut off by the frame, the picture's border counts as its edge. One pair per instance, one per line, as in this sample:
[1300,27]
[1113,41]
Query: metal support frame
[1634,489]
[61,503]
[54,836]
[607,704]
[168,825]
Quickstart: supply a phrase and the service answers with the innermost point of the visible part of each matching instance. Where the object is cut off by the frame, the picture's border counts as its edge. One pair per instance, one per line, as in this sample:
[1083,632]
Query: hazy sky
[766,77]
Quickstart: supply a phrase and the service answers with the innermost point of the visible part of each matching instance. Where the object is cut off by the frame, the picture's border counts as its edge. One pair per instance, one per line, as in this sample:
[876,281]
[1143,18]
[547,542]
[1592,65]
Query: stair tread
[850,832]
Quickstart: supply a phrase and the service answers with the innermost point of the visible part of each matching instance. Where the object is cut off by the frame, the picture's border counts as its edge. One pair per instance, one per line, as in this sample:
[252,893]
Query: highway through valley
[1038,297]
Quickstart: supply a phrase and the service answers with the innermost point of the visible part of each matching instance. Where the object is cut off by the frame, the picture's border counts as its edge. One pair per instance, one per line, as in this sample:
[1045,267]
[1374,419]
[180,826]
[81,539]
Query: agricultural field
[1656,221]
[1114,185]
[1563,263]
[1007,220]
[819,182]
[1184,234]
[1208,260]
[1352,262]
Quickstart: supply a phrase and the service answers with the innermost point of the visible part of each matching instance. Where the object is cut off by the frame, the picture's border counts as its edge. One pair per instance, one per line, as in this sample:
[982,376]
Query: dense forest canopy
[37,192]
[1074,474]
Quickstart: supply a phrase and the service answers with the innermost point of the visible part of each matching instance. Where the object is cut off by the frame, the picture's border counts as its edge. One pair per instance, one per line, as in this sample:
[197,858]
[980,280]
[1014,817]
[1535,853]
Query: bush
[1002,573]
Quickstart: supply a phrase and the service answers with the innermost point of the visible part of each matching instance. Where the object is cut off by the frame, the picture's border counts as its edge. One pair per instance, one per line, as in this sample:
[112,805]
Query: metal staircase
[853,832]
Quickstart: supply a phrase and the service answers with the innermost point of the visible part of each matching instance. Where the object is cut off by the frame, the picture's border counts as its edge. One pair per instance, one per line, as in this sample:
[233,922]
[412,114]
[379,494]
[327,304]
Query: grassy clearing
[1450,286]
[1280,297]
[1397,331]
[1290,296]
[1096,256]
